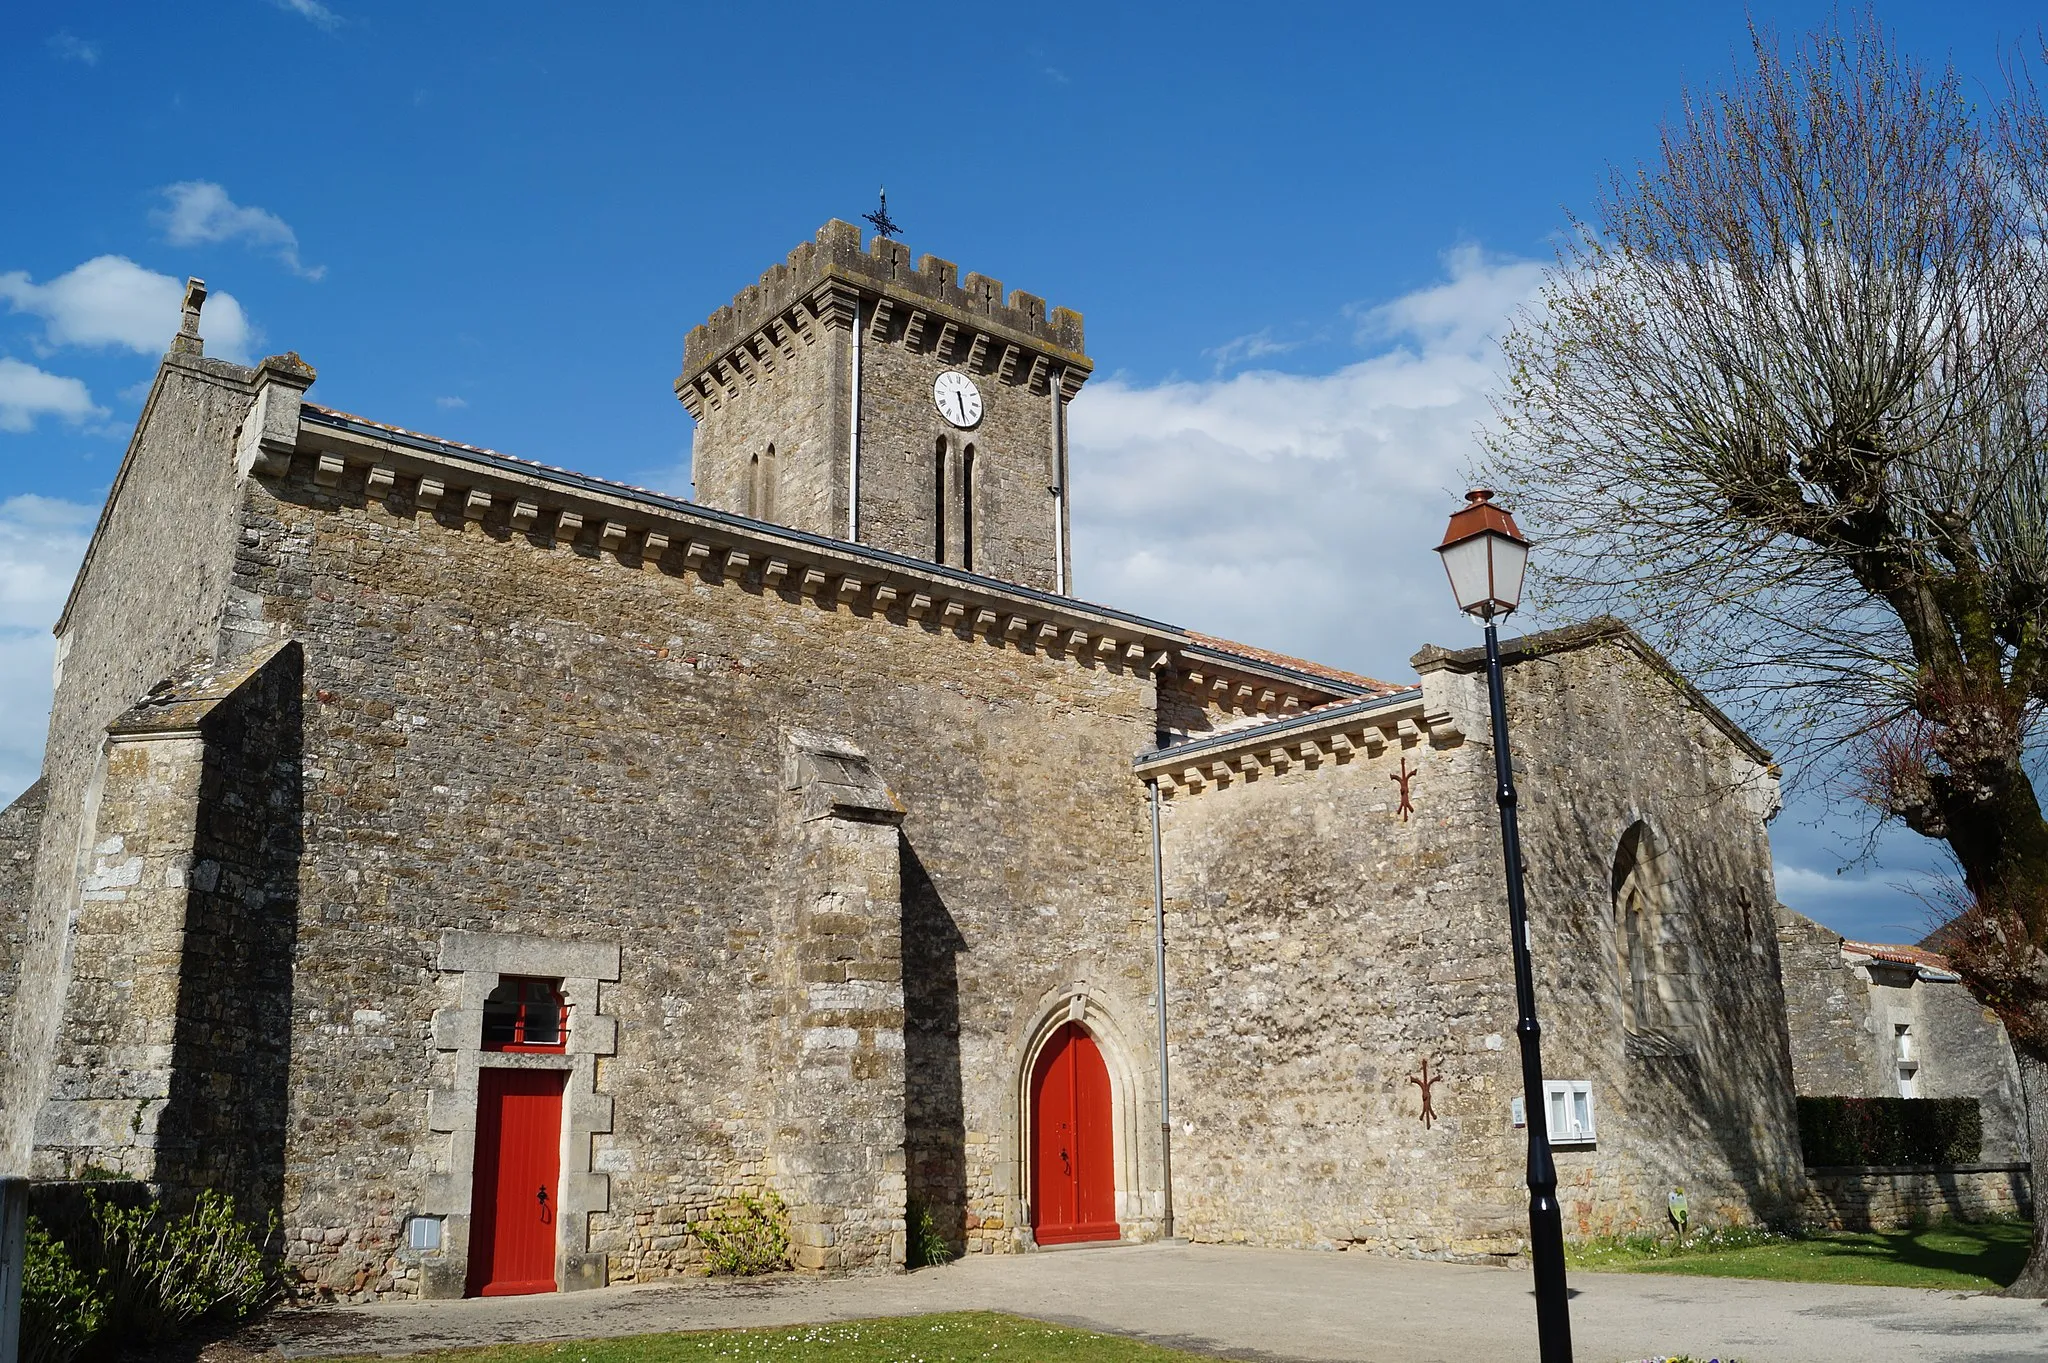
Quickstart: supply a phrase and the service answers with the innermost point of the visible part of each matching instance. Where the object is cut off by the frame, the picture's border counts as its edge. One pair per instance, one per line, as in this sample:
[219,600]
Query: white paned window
[1570,1110]
[1908,1061]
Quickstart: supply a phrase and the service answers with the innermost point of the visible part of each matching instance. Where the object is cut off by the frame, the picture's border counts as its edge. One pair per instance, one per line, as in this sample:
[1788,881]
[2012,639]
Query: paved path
[1258,1305]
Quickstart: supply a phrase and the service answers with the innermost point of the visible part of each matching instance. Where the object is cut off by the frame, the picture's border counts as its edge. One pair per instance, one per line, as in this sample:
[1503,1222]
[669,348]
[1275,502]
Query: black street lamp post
[1484,554]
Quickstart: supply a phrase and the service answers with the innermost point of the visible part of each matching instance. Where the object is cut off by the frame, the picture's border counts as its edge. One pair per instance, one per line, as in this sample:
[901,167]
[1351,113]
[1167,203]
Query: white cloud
[69,47]
[1466,311]
[199,213]
[112,301]
[27,392]
[312,11]
[41,543]
[1259,345]
[1299,511]
[451,402]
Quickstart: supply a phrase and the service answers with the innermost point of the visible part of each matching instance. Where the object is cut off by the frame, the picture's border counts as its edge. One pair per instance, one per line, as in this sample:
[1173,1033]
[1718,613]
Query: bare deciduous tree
[1784,404]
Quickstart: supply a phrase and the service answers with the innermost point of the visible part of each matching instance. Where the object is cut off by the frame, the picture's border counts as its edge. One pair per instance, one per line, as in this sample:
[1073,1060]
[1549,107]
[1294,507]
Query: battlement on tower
[975,302]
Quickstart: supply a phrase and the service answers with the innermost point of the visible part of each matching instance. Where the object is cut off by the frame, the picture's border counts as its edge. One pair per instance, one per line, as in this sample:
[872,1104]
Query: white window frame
[1906,1058]
[1569,1132]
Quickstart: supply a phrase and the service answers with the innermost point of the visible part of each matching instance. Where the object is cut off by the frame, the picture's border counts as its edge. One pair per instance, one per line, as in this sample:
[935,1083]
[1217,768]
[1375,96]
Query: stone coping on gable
[1600,629]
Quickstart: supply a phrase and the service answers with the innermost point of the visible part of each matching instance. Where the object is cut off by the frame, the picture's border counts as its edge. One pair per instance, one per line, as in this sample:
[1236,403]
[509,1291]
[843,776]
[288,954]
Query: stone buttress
[837,1138]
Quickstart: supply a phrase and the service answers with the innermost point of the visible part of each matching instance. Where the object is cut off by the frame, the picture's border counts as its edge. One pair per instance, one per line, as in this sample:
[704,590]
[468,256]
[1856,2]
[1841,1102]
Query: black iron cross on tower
[885,226]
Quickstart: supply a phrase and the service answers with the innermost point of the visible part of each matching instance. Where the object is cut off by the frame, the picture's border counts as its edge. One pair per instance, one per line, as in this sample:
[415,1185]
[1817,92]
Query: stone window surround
[475,961]
[1657,880]
[1077,1002]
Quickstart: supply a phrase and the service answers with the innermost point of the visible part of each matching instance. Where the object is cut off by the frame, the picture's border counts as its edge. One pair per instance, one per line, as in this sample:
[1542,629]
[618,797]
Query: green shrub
[138,1274]
[164,1275]
[1853,1131]
[750,1236]
[924,1244]
[60,1309]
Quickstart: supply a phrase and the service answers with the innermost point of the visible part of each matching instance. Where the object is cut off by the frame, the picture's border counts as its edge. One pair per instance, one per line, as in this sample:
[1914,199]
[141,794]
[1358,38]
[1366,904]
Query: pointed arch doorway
[1073,1142]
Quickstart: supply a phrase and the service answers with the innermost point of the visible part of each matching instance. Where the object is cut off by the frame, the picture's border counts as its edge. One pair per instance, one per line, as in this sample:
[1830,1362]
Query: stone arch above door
[1130,1102]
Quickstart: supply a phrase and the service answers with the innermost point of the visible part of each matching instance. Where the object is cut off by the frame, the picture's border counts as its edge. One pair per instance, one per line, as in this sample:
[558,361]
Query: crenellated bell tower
[854,395]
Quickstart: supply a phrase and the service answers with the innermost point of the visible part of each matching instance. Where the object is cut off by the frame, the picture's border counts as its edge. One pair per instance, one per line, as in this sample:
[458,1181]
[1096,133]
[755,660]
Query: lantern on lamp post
[1484,555]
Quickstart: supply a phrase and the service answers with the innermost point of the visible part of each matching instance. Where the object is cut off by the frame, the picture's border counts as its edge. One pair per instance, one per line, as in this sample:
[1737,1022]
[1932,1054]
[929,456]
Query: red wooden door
[1073,1184]
[518,1162]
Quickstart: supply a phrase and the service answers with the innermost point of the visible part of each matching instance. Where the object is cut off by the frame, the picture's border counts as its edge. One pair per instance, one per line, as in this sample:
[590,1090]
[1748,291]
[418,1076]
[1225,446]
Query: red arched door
[1073,1186]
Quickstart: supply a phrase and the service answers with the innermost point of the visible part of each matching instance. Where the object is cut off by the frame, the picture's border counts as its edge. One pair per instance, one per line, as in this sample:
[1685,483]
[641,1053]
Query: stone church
[494,870]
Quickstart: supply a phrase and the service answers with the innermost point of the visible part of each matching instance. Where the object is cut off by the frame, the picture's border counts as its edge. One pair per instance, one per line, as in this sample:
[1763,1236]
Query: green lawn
[1980,1257]
[952,1338]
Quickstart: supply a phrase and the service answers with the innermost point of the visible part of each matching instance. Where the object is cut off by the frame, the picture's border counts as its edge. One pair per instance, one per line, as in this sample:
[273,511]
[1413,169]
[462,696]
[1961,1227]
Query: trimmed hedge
[1848,1131]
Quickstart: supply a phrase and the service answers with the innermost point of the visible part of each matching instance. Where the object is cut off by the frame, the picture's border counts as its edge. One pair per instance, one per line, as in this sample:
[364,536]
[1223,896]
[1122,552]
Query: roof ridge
[1278,659]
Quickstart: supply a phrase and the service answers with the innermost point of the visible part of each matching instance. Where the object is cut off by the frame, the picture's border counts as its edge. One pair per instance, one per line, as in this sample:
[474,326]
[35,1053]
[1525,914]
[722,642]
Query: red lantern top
[1484,554]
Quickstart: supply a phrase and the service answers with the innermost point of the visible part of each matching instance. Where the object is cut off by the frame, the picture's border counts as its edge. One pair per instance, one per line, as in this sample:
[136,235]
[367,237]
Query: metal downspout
[1159,967]
[853,438]
[1058,487]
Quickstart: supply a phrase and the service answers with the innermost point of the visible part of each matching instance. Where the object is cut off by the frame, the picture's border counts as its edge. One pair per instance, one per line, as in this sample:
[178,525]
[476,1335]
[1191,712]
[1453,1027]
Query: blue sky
[1293,231]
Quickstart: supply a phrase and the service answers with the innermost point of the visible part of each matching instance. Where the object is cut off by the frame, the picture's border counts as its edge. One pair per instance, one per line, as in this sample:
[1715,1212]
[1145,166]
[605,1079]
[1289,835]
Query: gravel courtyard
[1252,1304]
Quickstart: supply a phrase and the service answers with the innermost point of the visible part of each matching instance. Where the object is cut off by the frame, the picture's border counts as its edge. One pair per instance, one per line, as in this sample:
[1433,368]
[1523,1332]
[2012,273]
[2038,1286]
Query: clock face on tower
[957,399]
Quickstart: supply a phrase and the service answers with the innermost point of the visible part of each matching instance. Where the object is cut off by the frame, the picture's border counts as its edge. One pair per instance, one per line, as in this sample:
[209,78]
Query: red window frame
[531,998]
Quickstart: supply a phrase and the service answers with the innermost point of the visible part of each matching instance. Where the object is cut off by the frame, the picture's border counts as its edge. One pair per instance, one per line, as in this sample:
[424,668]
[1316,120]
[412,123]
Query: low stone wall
[1888,1197]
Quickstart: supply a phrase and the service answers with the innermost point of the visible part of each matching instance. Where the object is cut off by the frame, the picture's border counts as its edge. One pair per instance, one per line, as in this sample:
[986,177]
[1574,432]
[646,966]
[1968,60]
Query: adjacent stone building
[421,825]
[1885,1020]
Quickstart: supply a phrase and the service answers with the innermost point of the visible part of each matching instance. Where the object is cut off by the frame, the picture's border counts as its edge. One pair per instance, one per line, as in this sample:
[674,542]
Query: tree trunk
[2033,1279]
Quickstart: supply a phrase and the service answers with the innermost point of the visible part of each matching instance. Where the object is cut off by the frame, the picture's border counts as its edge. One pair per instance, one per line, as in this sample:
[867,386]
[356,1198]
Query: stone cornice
[407,471]
[1331,735]
[925,307]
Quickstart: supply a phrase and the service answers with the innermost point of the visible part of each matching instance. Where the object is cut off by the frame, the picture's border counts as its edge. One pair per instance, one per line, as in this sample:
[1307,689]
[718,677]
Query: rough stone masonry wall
[1321,948]
[800,409]
[1014,537]
[508,735]
[223,1125]
[1881,1199]
[1827,1010]
[152,597]
[1318,950]
[21,825]
[1611,740]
